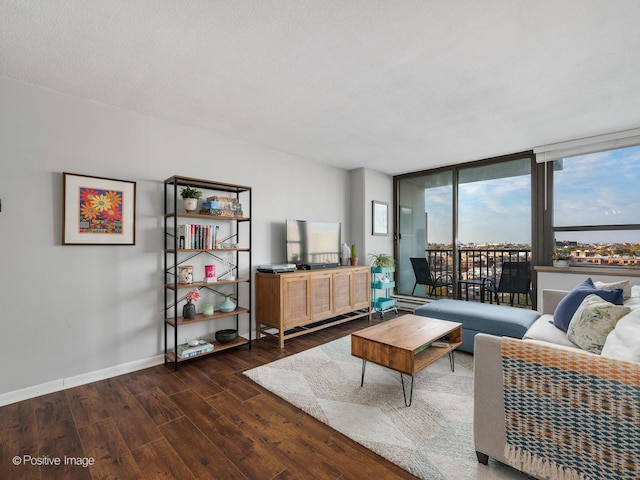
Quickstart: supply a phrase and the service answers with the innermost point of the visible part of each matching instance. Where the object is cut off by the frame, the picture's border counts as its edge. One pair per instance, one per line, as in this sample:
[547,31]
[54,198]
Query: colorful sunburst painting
[100,211]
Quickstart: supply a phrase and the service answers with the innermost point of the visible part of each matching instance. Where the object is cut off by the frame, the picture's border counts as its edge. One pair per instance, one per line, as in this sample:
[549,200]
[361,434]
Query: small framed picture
[98,211]
[380,218]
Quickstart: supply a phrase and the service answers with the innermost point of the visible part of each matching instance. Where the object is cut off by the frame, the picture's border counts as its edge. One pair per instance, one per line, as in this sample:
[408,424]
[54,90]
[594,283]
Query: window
[596,208]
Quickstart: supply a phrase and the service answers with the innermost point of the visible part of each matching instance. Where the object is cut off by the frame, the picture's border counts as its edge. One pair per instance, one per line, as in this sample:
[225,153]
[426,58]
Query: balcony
[476,266]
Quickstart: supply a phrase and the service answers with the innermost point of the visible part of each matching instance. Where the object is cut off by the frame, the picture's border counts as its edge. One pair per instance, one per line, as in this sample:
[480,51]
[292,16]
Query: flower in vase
[193,295]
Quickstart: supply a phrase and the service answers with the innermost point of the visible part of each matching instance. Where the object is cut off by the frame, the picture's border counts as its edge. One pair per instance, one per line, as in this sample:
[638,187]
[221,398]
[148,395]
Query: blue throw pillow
[569,304]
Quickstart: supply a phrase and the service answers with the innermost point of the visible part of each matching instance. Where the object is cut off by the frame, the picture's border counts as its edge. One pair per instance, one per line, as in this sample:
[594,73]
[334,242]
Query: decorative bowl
[226,336]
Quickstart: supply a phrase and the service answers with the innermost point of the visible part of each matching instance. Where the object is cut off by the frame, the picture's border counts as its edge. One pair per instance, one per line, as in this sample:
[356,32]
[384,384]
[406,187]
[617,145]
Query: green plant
[189,192]
[225,295]
[382,260]
[353,250]
[561,254]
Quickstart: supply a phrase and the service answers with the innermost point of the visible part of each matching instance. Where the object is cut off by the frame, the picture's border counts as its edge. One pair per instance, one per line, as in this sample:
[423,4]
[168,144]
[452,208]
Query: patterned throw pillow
[569,304]
[625,285]
[593,321]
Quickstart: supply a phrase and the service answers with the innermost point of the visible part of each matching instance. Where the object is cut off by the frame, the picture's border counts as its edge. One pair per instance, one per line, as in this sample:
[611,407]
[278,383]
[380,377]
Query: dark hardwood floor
[205,421]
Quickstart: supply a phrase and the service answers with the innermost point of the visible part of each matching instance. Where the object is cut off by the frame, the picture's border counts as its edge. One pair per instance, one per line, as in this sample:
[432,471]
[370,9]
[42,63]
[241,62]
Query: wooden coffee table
[406,344]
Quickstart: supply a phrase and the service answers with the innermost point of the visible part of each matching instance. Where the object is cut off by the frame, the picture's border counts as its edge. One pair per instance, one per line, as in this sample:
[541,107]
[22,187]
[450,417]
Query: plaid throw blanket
[570,415]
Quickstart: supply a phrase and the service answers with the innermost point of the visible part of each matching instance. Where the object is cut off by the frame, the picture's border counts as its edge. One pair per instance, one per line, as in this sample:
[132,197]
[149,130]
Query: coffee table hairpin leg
[404,393]
[364,364]
[411,391]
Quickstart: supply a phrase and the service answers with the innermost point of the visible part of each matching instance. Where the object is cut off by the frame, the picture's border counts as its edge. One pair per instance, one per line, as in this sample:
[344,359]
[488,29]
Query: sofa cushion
[569,304]
[624,340]
[593,321]
[544,330]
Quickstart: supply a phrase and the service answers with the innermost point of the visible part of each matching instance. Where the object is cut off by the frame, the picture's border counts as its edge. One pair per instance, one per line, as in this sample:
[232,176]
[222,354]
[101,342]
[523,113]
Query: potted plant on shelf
[561,257]
[190,196]
[382,262]
[354,258]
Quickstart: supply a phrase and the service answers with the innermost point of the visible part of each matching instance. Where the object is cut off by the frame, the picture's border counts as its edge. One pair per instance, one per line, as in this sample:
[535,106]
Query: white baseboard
[409,303]
[83,379]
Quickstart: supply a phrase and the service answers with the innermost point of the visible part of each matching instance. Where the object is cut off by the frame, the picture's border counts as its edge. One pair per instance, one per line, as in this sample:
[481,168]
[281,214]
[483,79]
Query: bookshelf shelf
[202,318]
[210,285]
[217,347]
[235,257]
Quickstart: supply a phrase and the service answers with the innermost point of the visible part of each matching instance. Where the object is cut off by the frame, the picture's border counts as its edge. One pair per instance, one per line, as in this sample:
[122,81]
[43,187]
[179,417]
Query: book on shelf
[442,343]
[185,350]
[196,236]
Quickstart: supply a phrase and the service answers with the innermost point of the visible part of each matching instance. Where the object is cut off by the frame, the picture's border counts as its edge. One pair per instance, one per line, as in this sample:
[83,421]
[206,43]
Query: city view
[612,254]
[481,260]
[482,265]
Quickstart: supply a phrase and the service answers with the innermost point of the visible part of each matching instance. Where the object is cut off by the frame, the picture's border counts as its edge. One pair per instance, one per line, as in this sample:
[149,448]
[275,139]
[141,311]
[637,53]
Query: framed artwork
[380,218]
[98,211]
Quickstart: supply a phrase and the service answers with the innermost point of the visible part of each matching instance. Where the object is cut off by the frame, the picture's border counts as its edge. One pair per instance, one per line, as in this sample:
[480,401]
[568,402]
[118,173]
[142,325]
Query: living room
[77,314]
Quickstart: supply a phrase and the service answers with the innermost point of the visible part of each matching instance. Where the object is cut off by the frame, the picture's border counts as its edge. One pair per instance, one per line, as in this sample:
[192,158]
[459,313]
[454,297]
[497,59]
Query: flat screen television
[313,244]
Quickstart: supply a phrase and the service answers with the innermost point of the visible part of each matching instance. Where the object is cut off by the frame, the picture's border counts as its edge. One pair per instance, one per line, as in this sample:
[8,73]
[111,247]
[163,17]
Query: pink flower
[193,295]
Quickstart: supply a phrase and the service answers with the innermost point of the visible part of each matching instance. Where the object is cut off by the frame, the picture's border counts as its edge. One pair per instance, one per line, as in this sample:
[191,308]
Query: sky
[595,189]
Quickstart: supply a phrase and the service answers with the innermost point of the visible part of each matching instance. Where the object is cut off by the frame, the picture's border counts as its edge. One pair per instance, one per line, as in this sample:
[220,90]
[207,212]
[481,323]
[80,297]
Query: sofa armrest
[550,300]
[488,403]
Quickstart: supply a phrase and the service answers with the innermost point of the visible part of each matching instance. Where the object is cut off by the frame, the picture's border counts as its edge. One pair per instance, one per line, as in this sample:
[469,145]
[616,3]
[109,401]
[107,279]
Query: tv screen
[310,243]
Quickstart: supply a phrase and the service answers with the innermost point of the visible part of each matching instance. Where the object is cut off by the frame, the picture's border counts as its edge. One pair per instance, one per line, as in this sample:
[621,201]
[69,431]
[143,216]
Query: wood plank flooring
[205,421]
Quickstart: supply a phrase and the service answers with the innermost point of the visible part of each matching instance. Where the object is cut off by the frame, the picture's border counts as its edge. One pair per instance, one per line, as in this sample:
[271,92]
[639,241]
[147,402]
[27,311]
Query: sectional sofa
[557,409]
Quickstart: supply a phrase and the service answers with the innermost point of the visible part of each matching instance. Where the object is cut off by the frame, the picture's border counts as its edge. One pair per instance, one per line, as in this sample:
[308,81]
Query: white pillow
[592,322]
[624,340]
[623,284]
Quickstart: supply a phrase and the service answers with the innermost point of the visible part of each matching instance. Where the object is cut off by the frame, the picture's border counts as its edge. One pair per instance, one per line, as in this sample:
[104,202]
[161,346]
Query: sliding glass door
[466,221]
[425,213]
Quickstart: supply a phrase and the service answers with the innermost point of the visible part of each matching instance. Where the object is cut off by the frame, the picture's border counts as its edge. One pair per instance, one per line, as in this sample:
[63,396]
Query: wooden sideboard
[295,303]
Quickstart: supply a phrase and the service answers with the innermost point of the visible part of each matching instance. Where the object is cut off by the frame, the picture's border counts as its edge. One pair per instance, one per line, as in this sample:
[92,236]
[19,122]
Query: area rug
[432,439]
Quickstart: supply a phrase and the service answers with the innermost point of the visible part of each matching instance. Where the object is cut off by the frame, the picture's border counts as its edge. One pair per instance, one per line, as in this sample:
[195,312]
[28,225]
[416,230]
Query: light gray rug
[432,439]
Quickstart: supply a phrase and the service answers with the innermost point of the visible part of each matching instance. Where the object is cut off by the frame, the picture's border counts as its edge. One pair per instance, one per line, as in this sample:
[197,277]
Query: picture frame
[98,210]
[380,221]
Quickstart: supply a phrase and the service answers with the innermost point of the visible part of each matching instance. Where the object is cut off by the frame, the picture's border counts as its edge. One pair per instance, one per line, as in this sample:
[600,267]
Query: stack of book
[192,236]
[222,207]
[185,350]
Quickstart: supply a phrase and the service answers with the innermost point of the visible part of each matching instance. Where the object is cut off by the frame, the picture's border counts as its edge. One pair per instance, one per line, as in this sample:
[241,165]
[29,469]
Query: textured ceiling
[392,85]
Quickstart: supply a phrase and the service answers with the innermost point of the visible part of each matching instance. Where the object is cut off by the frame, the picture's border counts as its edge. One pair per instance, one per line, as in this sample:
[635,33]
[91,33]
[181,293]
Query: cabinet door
[321,301]
[296,304]
[361,282]
[342,294]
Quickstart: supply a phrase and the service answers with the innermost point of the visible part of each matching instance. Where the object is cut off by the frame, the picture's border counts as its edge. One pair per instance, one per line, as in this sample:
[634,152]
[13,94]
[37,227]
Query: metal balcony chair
[515,278]
[424,276]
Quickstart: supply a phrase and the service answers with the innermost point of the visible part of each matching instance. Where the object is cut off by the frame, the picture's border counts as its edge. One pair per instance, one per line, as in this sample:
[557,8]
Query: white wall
[368,185]
[71,314]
